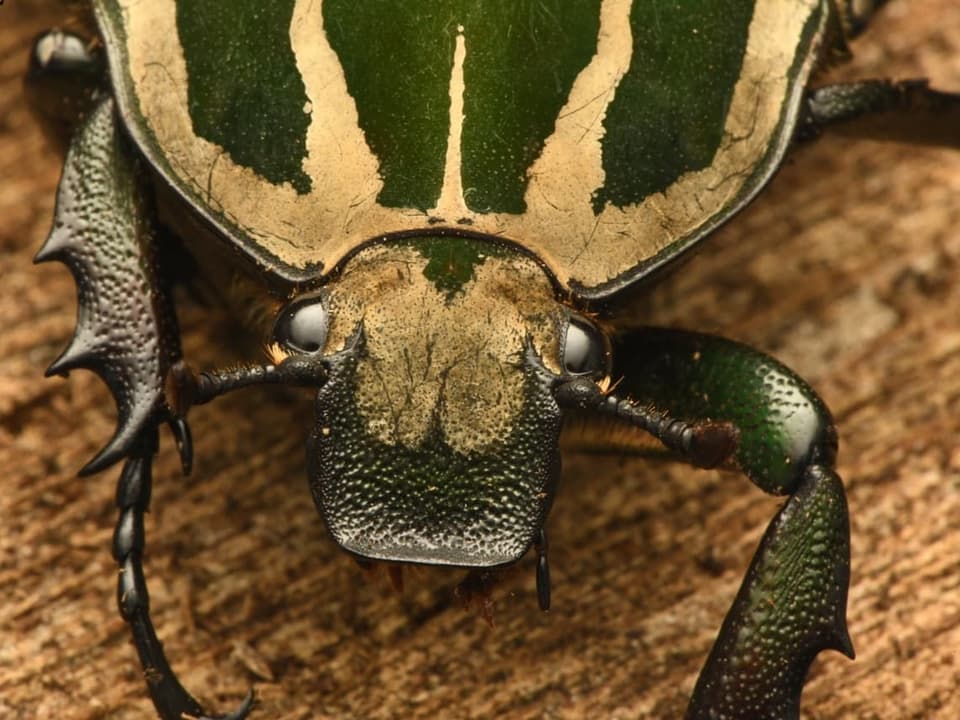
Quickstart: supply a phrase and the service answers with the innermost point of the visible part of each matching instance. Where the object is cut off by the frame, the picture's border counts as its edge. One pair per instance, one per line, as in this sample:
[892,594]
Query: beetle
[700,396]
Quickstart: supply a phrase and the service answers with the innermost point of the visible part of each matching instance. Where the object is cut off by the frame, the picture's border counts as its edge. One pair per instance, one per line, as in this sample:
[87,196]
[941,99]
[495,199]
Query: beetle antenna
[706,444]
[186,387]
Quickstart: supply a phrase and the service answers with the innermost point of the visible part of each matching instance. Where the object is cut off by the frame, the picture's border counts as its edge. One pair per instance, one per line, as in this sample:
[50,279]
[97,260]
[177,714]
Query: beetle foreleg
[186,388]
[126,327]
[184,439]
[171,700]
[792,604]
[126,332]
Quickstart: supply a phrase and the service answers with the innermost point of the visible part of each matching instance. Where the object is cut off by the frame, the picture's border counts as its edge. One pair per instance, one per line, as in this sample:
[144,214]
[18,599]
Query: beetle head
[436,433]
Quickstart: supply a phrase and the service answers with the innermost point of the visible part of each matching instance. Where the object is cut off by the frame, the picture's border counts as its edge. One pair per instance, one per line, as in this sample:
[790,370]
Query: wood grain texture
[848,269]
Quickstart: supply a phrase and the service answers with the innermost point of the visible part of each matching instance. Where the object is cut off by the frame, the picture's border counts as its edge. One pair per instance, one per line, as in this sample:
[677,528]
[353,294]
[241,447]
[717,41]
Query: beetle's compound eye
[302,325]
[586,350]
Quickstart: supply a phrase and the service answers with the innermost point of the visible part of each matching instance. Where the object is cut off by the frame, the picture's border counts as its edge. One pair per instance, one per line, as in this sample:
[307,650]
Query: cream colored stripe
[560,227]
[344,170]
[570,168]
[451,205]
[299,229]
[592,249]
[159,75]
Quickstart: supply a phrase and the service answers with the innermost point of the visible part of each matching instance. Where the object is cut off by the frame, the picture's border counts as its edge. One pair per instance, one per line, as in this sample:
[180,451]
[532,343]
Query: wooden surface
[848,269]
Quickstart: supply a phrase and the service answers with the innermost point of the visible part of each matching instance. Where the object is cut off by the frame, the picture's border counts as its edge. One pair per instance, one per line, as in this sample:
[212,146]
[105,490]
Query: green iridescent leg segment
[791,606]
[792,603]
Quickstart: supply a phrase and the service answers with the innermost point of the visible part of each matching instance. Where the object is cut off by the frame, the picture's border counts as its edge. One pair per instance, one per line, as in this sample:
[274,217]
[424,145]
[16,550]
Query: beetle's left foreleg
[716,402]
[126,332]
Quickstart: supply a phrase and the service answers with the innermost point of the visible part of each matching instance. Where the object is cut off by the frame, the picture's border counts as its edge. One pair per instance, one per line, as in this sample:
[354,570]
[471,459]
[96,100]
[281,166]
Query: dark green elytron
[433,198]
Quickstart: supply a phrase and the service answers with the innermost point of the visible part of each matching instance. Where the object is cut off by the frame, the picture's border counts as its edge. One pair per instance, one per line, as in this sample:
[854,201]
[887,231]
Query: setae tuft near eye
[586,350]
[302,325]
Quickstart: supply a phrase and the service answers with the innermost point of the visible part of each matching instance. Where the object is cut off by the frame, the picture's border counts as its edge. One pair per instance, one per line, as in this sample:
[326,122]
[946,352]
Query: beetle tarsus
[170,698]
[242,711]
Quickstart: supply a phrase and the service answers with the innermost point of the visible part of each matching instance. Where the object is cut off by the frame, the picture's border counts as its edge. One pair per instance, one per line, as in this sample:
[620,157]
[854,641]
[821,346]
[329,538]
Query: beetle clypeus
[433,239]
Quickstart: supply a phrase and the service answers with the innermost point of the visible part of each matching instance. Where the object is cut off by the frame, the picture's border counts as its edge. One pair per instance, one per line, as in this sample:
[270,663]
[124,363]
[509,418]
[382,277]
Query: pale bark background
[848,269]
